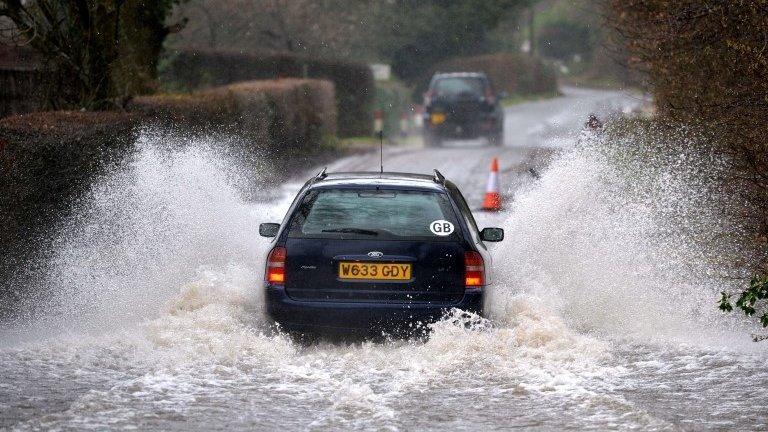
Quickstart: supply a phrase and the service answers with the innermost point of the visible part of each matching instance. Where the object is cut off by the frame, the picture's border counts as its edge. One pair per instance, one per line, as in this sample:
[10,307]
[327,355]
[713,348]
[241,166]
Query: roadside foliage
[186,70]
[93,52]
[49,159]
[707,65]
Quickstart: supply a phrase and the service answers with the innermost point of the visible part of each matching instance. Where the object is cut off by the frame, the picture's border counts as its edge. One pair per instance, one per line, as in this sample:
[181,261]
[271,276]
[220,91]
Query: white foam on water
[158,281]
[146,230]
[209,339]
[618,250]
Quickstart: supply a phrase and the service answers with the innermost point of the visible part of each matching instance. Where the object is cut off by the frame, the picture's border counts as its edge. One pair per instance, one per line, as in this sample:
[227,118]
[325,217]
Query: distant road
[532,130]
[556,122]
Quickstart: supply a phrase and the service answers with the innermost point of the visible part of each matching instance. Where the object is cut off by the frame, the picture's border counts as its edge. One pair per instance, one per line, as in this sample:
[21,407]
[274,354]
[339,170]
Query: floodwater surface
[148,315]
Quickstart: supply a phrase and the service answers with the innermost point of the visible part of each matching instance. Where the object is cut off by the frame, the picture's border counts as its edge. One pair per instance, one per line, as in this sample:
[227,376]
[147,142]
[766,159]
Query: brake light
[474,270]
[275,272]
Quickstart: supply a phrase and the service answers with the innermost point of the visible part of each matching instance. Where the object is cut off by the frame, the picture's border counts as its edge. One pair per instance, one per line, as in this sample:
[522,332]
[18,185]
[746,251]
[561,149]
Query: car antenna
[322,174]
[381,151]
[439,177]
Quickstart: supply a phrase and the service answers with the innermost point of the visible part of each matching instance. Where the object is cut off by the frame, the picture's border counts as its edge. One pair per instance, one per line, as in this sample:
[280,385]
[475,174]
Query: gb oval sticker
[441,227]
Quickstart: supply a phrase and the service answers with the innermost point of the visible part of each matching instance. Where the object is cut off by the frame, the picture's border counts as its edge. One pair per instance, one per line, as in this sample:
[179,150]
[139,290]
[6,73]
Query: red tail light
[275,272]
[474,270]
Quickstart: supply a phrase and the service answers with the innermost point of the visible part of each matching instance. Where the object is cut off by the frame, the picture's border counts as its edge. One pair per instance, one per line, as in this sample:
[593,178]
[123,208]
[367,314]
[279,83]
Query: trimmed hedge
[197,69]
[45,160]
[48,159]
[515,74]
[278,115]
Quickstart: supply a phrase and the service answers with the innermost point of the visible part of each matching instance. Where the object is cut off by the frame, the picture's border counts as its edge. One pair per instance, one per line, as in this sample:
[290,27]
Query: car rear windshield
[375,214]
[459,86]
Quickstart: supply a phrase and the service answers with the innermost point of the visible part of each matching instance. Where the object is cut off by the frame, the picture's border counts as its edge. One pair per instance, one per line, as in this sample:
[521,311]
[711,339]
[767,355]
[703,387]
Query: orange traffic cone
[492,201]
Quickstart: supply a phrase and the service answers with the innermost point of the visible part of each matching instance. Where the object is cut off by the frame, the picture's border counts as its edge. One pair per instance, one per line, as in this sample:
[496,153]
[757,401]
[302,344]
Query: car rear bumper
[465,128]
[294,315]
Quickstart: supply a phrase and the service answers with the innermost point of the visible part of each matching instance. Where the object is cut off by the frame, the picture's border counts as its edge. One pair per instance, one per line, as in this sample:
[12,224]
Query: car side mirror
[269,229]
[492,234]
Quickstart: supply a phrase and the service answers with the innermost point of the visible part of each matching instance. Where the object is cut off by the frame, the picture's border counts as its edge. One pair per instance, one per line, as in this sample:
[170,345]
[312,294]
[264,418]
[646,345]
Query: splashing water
[600,318]
[620,250]
[144,231]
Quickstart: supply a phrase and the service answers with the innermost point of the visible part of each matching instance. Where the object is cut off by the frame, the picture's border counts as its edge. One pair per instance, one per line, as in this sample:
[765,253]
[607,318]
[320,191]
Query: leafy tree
[750,301]
[96,51]
[412,35]
[564,38]
[707,63]
[314,27]
[415,34]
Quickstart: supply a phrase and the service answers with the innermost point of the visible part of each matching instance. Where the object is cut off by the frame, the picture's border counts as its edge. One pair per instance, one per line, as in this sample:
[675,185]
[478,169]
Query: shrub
[46,159]
[752,301]
[706,62]
[513,73]
[197,69]
[276,115]
[562,39]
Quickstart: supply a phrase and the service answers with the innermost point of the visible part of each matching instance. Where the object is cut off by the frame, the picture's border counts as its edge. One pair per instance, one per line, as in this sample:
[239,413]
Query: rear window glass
[457,86]
[375,214]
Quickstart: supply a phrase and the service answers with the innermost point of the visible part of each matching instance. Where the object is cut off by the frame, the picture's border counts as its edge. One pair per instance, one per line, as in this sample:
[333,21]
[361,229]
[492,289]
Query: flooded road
[149,314]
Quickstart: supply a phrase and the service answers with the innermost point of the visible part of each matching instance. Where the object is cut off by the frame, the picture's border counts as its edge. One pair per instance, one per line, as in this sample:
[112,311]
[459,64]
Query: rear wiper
[351,231]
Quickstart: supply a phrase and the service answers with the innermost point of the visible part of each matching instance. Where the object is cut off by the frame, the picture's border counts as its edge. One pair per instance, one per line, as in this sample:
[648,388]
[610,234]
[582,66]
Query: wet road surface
[152,318]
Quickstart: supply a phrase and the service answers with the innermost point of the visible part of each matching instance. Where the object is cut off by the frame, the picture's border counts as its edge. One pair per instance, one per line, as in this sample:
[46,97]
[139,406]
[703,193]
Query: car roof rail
[439,177]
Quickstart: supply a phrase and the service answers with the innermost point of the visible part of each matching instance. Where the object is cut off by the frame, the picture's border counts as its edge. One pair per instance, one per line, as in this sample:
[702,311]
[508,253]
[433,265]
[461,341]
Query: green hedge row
[277,115]
[48,159]
[196,69]
[45,160]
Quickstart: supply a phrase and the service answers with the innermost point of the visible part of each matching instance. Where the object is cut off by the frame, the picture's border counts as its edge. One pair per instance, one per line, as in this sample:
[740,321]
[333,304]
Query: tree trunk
[141,34]
[97,52]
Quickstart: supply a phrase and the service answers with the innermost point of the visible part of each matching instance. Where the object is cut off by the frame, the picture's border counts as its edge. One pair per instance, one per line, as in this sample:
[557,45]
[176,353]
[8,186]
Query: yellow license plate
[437,118]
[374,271]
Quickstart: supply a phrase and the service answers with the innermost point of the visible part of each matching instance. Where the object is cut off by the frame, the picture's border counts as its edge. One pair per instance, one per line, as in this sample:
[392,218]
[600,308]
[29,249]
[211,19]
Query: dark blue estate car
[375,252]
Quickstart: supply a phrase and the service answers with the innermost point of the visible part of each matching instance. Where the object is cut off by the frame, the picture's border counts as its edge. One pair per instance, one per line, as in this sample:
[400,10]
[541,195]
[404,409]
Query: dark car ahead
[462,105]
[375,252]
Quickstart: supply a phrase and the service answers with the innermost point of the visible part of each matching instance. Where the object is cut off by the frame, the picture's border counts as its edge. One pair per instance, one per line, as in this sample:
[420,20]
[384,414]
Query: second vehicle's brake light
[275,272]
[474,270]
